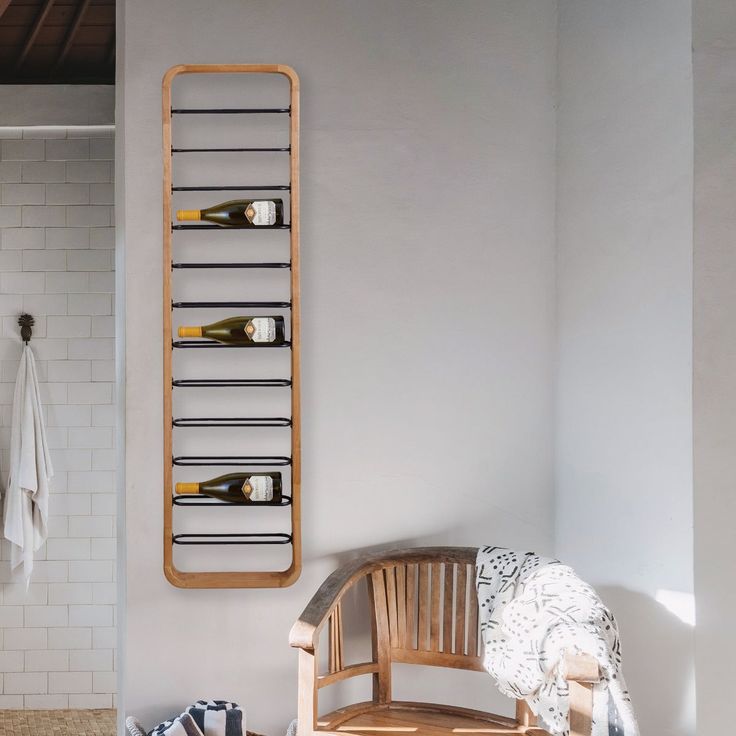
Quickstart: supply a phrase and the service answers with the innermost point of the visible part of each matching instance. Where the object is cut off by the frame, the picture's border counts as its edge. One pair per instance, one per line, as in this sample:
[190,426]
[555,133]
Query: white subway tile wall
[57,638]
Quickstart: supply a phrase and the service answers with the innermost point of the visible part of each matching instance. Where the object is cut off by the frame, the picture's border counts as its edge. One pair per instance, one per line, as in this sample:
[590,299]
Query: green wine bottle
[239,488]
[240,213]
[241,331]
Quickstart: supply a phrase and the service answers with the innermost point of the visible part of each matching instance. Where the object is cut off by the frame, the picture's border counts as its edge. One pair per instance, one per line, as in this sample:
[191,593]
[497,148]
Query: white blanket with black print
[534,610]
[205,718]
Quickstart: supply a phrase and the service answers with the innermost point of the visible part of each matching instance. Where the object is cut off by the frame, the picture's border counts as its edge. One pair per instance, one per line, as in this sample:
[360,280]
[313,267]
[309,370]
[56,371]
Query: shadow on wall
[657,662]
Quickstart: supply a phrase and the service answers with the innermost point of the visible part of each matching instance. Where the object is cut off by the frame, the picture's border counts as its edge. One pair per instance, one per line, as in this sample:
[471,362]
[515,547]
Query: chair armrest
[304,633]
[582,668]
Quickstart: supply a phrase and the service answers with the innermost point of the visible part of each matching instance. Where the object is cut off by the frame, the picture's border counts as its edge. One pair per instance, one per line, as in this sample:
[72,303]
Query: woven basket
[99,722]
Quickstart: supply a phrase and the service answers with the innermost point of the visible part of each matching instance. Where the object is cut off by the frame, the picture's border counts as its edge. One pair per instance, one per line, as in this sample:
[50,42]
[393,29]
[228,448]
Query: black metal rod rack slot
[234,188]
[226,461]
[201,501]
[181,344]
[230,110]
[231,382]
[231,305]
[231,265]
[269,538]
[232,422]
[218,227]
[230,150]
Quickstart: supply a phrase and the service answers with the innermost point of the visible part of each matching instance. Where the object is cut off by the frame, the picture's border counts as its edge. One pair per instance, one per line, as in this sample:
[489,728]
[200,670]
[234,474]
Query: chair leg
[307,703]
[524,715]
[581,708]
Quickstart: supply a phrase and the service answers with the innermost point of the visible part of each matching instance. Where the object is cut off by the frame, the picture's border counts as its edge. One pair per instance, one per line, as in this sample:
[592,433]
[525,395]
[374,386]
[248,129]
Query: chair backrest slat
[390,576]
[335,649]
[430,610]
[435,613]
[410,638]
[381,638]
[423,606]
[401,605]
[448,607]
[472,649]
[460,608]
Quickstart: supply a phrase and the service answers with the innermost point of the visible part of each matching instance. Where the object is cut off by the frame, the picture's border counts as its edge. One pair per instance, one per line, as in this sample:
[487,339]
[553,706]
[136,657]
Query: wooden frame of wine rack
[225,579]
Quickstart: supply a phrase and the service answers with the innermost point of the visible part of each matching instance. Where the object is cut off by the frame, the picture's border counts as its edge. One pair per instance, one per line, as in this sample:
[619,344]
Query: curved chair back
[426,608]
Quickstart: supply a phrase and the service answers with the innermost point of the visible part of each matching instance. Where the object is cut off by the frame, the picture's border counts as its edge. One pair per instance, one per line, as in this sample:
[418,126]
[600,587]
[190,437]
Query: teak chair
[424,610]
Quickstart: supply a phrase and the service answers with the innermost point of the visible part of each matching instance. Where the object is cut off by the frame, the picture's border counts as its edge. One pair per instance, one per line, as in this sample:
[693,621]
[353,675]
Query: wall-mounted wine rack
[240,534]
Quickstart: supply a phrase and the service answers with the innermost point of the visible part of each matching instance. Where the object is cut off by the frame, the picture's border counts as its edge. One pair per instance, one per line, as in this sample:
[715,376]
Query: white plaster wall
[624,224]
[439,431]
[714,42]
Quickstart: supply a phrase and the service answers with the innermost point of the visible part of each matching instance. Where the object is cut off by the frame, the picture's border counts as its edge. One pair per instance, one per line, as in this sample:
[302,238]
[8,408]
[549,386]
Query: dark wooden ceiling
[57,41]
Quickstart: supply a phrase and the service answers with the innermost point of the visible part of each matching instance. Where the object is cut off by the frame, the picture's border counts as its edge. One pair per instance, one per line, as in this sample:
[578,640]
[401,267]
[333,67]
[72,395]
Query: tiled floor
[57,722]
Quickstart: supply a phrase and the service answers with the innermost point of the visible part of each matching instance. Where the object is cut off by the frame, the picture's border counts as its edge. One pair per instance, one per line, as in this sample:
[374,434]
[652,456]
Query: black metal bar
[214,344]
[229,150]
[229,110]
[231,265]
[219,227]
[232,188]
[253,461]
[231,382]
[199,499]
[269,538]
[232,422]
[231,305]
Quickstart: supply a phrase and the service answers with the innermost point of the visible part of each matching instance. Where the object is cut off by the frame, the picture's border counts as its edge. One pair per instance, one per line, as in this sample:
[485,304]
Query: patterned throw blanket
[534,610]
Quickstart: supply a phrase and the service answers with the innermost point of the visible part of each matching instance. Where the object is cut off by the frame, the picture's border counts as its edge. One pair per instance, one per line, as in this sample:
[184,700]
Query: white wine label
[261,212]
[261,329]
[259,488]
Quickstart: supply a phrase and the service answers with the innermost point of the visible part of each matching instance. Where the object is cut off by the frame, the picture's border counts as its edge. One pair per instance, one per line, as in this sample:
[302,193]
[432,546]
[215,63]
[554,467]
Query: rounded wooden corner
[174,576]
[172,72]
[292,575]
[289,72]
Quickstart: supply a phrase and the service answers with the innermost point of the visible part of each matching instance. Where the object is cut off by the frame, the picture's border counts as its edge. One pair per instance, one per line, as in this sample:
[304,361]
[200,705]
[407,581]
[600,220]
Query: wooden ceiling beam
[72,32]
[3,6]
[33,33]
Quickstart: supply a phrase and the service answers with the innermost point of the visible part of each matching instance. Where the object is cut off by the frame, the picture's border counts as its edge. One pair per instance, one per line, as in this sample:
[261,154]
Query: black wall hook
[26,323]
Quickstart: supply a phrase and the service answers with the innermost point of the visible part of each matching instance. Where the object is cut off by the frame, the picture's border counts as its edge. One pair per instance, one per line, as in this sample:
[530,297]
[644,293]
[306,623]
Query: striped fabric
[183,725]
[218,718]
[205,718]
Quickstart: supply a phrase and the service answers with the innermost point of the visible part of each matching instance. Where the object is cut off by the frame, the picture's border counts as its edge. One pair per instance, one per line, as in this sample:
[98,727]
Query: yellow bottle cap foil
[190,332]
[188,214]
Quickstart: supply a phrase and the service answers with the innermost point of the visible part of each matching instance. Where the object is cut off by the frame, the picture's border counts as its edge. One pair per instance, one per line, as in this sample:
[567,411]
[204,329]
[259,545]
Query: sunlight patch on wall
[679,604]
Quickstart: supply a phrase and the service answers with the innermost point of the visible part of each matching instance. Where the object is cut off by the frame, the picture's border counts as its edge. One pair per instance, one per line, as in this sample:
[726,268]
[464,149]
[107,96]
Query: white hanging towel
[26,507]
[534,610]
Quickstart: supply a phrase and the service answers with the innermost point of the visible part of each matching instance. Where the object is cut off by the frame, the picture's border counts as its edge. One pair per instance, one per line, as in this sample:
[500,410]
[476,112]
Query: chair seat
[420,719]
